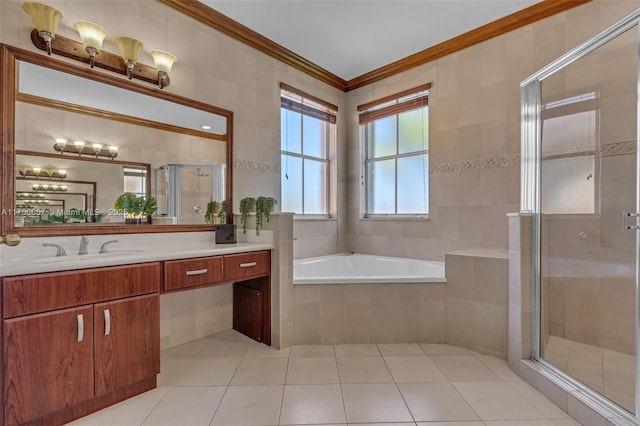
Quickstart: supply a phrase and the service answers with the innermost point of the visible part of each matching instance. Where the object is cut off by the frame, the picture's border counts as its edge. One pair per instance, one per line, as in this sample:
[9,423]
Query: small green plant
[213,207]
[247,205]
[222,213]
[135,207]
[264,207]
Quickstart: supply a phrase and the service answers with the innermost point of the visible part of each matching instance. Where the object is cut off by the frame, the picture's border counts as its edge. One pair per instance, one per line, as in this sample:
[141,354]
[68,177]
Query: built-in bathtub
[368,299]
[363,268]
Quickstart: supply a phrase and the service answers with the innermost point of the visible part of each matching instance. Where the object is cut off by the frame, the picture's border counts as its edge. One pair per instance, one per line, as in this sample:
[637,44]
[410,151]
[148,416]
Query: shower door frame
[530,201]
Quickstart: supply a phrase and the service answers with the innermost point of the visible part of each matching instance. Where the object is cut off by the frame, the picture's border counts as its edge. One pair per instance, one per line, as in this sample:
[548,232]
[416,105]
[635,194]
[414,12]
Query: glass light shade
[63,187]
[62,172]
[79,144]
[45,187]
[92,35]
[61,142]
[48,171]
[129,48]
[45,18]
[23,170]
[163,60]
[54,187]
[36,170]
[96,147]
[36,187]
[113,149]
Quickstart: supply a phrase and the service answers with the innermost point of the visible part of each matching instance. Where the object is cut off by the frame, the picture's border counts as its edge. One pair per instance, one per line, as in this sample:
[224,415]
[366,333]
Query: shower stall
[184,190]
[580,180]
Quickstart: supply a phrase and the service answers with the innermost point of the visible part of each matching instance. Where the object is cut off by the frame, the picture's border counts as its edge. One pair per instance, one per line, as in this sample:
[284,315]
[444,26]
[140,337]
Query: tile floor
[608,372]
[228,379]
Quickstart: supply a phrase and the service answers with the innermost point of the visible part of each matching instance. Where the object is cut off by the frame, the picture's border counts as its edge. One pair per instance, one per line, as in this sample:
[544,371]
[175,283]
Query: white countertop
[31,257]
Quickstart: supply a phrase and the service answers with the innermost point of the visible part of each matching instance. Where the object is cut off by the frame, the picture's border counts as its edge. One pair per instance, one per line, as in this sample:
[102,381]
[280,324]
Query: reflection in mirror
[54,105]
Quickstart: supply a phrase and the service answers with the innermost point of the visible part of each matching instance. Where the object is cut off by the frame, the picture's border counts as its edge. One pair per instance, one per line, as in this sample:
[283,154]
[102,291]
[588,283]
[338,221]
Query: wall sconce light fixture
[45,19]
[164,62]
[38,172]
[129,49]
[89,49]
[49,188]
[81,147]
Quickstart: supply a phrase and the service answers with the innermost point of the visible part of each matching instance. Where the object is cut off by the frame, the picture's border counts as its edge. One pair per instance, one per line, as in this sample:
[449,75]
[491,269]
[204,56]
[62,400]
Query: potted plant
[135,207]
[247,205]
[264,207]
[222,212]
[213,207]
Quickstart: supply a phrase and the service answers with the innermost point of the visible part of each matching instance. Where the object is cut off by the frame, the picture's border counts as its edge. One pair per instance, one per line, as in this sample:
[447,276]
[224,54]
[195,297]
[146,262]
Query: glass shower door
[586,219]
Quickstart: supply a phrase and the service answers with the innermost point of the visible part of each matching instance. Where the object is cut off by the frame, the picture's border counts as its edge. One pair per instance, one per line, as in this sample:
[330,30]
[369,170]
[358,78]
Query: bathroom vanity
[75,341]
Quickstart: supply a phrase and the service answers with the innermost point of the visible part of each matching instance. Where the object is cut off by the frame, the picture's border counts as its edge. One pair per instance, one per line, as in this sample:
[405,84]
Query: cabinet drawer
[29,294]
[192,272]
[241,266]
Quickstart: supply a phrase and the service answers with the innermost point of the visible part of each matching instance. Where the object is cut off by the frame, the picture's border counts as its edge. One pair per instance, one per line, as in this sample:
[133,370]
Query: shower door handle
[624,220]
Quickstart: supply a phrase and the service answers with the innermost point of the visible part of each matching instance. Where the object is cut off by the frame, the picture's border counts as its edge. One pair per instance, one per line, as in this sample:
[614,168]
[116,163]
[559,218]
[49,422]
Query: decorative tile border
[618,148]
[255,166]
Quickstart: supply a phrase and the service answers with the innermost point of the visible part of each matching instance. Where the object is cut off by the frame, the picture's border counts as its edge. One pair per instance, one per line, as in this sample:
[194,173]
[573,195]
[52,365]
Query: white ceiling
[352,37]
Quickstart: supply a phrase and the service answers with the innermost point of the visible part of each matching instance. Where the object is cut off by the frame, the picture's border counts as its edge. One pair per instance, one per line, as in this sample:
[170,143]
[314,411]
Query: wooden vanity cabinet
[60,362]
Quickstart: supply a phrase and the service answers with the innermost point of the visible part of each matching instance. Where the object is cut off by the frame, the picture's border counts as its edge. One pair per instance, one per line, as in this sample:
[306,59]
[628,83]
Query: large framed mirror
[75,139]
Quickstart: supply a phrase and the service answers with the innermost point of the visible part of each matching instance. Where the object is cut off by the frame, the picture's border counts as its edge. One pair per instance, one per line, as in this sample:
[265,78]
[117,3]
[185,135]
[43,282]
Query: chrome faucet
[103,247]
[59,249]
[84,242]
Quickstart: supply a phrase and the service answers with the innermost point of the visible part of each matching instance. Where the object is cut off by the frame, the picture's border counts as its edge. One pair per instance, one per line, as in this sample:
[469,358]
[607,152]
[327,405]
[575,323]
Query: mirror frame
[9,57]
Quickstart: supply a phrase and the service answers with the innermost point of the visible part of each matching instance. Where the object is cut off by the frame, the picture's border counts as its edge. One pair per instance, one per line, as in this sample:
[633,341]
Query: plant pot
[133,221]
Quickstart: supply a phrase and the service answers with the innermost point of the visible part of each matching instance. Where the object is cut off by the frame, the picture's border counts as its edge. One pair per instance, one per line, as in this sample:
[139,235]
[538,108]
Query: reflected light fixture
[129,49]
[45,19]
[47,188]
[97,147]
[61,143]
[84,147]
[163,61]
[113,150]
[92,36]
[79,146]
[38,172]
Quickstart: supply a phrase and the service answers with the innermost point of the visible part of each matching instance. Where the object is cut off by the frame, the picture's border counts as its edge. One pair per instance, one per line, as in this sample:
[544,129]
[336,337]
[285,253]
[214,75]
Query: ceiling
[352,37]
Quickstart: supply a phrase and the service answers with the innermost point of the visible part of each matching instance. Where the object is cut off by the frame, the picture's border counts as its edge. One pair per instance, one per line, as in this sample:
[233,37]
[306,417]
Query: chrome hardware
[80,328]
[84,242]
[624,220]
[59,249]
[198,272]
[104,248]
[248,265]
[107,322]
[11,240]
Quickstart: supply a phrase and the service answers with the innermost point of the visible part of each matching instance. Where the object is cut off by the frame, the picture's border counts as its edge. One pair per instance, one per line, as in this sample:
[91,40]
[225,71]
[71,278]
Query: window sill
[314,217]
[397,217]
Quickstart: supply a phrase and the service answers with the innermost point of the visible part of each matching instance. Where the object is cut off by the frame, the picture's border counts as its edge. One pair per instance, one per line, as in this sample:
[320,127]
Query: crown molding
[203,13]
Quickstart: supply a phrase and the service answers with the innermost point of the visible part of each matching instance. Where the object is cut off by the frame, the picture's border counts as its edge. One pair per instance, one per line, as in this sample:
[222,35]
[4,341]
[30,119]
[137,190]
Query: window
[307,130]
[135,180]
[395,135]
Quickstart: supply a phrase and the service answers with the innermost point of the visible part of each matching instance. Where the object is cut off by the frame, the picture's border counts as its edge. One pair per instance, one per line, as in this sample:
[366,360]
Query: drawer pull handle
[80,328]
[107,322]
[248,265]
[198,272]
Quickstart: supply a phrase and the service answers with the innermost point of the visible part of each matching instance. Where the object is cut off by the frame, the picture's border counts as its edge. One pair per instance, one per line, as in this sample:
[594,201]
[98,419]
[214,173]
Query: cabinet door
[247,311]
[48,363]
[127,342]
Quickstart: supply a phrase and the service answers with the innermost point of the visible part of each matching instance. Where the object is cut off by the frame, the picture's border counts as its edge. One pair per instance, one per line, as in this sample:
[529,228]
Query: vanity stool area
[76,341]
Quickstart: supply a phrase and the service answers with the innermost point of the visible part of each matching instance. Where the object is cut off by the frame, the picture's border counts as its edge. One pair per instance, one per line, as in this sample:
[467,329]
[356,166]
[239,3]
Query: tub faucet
[84,242]
[59,249]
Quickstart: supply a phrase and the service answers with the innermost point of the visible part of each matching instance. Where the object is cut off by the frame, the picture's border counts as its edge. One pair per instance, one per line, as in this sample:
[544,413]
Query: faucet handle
[103,247]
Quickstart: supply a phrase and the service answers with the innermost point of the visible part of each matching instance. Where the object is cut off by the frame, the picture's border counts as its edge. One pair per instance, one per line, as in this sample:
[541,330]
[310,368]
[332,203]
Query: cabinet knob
[11,240]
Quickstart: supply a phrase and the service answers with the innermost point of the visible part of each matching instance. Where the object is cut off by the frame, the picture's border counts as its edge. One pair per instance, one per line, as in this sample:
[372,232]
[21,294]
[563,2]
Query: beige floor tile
[231,335]
[313,351]
[588,353]
[498,366]
[223,349]
[463,368]
[193,406]
[358,350]
[363,370]
[249,405]
[261,371]
[539,401]
[312,404]
[557,359]
[436,402]
[171,369]
[258,350]
[209,372]
[131,412]
[188,350]
[451,424]
[565,422]
[588,373]
[558,345]
[312,371]
[383,424]
[413,369]
[444,349]
[374,403]
[520,423]
[400,349]
[497,401]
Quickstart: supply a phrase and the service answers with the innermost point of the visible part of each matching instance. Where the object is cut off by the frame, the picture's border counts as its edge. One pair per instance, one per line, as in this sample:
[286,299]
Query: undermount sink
[80,257]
